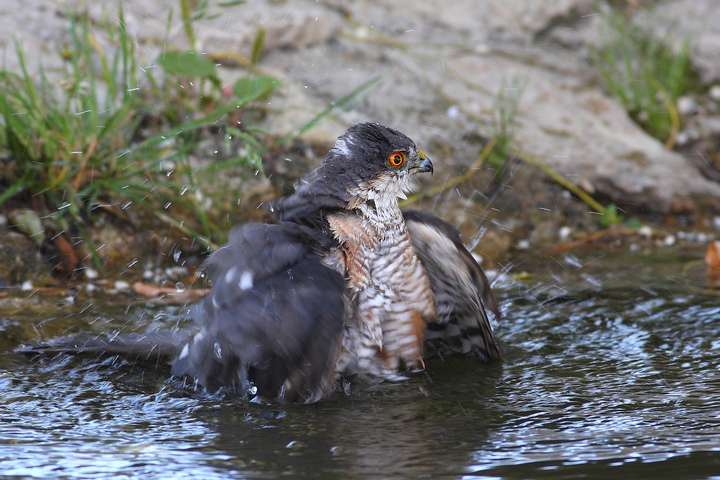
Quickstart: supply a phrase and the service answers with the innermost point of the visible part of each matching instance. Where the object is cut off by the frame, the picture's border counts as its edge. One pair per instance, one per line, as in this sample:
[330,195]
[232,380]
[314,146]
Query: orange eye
[396,159]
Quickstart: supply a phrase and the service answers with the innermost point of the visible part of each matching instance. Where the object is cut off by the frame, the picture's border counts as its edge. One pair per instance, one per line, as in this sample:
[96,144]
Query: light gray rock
[443,66]
[696,20]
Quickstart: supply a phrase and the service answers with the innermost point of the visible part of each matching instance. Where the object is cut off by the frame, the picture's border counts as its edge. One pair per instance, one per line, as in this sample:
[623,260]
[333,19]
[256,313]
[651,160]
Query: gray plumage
[344,284]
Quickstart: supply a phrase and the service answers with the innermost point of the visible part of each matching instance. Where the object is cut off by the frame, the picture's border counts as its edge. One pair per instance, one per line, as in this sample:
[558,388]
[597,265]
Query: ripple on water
[595,382]
[608,381]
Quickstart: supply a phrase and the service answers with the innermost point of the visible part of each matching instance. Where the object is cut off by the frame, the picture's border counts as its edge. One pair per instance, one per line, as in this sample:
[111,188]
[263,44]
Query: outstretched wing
[273,320]
[462,291]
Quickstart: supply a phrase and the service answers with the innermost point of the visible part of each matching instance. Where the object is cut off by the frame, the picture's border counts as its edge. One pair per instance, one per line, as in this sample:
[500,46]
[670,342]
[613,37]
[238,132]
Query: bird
[344,284]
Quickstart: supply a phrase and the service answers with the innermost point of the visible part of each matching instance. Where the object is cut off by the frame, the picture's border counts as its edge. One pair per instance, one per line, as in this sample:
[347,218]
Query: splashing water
[610,369]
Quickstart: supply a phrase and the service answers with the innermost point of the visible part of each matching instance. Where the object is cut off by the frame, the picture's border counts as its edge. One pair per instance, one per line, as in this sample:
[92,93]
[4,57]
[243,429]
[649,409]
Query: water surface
[610,368]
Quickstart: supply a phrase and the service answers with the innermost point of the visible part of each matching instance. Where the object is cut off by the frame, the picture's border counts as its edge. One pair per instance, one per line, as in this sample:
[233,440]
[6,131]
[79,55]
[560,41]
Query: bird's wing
[462,291]
[273,320]
[316,195]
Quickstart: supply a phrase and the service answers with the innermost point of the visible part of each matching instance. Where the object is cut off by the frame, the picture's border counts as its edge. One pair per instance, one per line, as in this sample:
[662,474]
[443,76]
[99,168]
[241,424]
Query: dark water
[610,371]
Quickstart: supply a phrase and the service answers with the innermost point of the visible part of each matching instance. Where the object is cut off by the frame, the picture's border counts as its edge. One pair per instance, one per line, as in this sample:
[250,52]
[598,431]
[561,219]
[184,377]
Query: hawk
[344,284]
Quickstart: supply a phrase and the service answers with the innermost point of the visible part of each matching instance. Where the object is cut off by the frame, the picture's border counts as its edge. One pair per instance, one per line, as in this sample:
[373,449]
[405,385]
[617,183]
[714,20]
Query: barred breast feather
[390,296]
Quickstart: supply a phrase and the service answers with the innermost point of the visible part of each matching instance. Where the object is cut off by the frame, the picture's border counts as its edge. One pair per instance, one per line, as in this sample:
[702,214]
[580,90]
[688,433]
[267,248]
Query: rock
[715,92]
[444,67]
[687,106]
[20,261]
[29,223]
[695,20]
[564,119]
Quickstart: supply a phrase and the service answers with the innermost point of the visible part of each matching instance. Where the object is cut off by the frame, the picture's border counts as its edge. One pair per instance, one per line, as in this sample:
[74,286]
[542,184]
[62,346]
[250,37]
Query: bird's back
[343,284]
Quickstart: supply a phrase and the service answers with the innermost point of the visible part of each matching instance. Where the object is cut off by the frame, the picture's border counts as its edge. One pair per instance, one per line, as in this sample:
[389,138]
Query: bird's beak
[425,165]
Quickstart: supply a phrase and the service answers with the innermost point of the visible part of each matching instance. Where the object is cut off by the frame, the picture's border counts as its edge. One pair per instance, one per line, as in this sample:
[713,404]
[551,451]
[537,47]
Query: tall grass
[110,135]
[76,145]
[645,74]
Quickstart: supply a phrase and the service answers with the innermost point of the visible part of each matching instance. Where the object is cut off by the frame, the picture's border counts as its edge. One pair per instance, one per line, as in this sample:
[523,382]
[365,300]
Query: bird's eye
[396,159]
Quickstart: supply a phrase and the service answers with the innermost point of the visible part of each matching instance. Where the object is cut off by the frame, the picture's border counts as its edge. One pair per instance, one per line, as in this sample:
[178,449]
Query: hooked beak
[426,165]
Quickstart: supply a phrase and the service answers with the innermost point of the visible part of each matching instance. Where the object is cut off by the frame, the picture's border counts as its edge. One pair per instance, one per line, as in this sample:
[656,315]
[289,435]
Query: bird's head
[371,159]
[369,168]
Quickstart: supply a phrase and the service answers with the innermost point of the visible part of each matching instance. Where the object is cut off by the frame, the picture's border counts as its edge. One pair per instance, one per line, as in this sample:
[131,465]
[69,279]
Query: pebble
[564,233]
[688,135]
[715,92]
[686,105]
[91,273]
[682,138]
[176,272]
[645,231]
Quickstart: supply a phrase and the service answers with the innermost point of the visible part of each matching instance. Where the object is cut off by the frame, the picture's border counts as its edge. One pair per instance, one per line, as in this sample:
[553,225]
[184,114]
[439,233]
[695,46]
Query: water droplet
[176,255]
[179,287]
[217,350]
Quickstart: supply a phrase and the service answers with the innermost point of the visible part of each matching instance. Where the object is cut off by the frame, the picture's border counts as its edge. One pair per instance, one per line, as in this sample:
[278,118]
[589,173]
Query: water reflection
[620,379]
[389,430]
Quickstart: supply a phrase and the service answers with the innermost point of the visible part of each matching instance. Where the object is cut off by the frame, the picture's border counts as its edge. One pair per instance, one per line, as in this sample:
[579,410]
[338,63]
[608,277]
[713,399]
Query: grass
[646,75]
[503,125]
[78,147]
[89,144]
[500,146]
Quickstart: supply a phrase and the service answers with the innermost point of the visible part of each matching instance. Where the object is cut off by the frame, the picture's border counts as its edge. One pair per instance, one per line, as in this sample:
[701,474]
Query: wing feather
[273,320]
[462,291]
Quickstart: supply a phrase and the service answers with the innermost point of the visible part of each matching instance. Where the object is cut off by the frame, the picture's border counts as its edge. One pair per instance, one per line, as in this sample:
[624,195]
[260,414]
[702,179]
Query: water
[611,369]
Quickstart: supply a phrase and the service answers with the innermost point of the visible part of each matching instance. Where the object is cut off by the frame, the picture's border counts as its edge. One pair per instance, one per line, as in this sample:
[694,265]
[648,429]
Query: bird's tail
[141,346]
